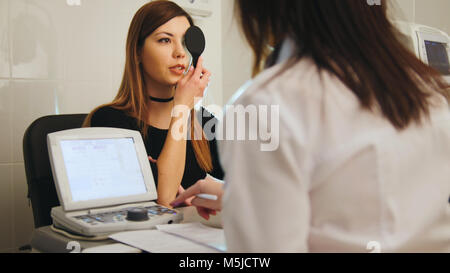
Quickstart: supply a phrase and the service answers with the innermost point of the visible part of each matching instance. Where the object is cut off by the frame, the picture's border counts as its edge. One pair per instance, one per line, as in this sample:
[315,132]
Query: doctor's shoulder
[281,82]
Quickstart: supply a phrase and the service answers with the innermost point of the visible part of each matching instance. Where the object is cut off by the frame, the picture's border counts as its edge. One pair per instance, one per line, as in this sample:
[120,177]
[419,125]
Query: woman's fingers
[190,73]
[192,85]
[190,192]
[186,77]
[199,69]
[205,77]
[197,73]
[151,159]
[205,74]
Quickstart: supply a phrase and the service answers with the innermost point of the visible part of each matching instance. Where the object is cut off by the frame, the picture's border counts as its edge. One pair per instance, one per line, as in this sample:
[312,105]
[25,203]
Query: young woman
[364,133]
[153,84]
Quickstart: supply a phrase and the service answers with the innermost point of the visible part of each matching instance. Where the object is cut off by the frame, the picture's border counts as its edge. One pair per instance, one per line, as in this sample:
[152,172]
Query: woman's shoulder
[109,116]
[108,111]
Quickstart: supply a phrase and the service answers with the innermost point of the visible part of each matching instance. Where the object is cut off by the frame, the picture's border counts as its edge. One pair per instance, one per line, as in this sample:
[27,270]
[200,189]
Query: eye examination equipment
[431,45]
[104,182]
[195,43]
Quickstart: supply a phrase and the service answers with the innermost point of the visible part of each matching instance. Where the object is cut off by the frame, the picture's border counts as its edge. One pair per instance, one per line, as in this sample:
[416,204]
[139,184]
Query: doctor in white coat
[363,137]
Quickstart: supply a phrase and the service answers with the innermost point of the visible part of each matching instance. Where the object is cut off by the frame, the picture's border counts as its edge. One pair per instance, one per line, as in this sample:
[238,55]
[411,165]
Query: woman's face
[163,56]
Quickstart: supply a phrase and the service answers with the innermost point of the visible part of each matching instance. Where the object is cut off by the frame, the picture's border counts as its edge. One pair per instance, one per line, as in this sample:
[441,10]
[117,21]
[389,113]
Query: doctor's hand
[187,201]
[205,207]
[192,85]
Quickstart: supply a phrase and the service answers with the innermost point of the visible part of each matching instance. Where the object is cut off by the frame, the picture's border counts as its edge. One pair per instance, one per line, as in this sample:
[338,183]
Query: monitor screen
[102,168]
[438,57]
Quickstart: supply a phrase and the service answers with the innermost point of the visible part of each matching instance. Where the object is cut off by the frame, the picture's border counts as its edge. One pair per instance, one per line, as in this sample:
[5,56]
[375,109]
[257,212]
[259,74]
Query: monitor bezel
[432,37]
[60,173]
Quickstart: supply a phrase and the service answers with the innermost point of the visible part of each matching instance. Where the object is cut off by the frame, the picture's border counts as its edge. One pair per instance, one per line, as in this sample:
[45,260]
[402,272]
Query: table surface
[44,239]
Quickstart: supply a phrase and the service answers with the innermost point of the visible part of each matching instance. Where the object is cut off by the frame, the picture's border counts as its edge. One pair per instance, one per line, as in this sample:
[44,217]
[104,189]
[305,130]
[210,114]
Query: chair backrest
[41,188]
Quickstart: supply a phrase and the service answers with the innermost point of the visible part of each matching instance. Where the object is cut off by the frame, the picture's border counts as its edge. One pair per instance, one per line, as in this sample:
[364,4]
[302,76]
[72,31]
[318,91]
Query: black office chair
[41,188]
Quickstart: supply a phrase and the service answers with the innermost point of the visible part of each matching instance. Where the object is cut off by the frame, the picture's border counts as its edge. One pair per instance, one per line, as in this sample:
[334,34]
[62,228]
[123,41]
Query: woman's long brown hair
[354,41]
[132,97]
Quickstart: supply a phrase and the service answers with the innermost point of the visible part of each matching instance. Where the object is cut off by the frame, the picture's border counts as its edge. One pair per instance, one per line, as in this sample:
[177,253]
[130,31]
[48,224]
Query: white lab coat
[342,179]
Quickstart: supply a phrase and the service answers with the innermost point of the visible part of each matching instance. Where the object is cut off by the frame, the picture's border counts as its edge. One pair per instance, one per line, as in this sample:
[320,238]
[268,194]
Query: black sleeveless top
[110,117]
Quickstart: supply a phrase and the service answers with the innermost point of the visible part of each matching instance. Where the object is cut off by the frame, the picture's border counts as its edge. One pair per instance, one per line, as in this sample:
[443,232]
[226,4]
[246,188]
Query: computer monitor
[435,51]
[100,167]
[431,45]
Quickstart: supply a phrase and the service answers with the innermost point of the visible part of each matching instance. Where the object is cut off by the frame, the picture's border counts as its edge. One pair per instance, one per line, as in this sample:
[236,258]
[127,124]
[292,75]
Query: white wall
[432,13]
[237,56]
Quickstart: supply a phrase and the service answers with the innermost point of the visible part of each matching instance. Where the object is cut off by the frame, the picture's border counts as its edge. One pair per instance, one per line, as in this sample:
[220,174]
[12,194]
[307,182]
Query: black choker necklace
[161,100]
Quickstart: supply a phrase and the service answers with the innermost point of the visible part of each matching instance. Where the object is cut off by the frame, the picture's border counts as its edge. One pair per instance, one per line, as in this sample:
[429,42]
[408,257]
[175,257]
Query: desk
[45,240]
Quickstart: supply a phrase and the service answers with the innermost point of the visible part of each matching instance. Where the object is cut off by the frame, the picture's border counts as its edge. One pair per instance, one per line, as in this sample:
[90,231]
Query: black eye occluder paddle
[195,42]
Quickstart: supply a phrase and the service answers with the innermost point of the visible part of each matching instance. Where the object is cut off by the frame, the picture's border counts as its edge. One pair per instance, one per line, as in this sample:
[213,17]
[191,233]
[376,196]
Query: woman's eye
[164,40]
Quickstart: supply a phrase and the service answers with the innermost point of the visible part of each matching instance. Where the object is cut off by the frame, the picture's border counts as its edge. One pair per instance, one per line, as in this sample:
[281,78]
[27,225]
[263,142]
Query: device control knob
[137,215]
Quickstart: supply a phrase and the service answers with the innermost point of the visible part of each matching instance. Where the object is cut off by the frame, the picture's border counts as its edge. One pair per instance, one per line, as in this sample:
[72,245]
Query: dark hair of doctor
[354,41]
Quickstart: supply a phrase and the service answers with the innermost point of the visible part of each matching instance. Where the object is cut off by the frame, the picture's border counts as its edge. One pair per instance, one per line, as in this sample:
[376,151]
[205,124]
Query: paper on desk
[198,233]
[157,241]
[112,248]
